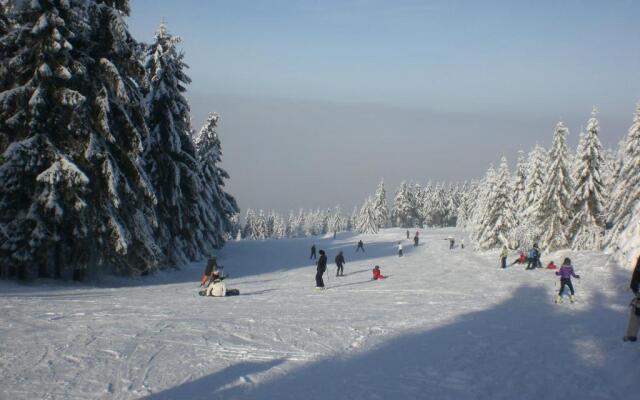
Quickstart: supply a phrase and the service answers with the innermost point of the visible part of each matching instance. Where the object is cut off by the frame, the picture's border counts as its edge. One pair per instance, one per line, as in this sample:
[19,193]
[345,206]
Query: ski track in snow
[446,324]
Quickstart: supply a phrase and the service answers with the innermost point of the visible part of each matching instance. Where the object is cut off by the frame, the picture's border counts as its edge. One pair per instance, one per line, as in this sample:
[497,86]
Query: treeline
[413,206]
[100,169]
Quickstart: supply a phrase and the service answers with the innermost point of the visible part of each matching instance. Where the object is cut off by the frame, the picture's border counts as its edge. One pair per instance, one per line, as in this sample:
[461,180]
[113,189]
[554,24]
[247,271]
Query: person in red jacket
[551,265]
[377,274]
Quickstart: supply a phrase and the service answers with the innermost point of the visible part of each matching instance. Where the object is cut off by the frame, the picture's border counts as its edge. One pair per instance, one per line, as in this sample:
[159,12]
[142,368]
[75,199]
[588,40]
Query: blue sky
[337,94]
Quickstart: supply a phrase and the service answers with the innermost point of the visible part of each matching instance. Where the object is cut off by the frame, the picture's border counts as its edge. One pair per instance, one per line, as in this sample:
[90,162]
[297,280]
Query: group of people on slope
[532,258]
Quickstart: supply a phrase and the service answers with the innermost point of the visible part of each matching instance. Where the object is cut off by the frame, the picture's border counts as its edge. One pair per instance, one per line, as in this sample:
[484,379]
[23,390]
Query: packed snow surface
[446,324]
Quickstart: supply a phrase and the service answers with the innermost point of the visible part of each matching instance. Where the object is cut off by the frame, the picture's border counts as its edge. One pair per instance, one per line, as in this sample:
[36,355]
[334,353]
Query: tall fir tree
[556,211]
[367,222]
[499,221]
[170,156]
[380,206]
[403,207]
[589,198]
[217,206]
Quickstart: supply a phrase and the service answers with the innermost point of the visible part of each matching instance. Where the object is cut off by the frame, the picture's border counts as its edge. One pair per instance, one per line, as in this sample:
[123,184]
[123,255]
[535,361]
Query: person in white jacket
[216,288]
[399,249]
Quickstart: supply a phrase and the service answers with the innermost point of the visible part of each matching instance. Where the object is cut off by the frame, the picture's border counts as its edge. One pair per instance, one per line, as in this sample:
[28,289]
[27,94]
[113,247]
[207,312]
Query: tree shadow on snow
[514,350]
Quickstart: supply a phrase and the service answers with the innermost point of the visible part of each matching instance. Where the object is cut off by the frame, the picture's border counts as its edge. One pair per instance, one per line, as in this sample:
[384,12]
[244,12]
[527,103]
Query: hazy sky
[321,99]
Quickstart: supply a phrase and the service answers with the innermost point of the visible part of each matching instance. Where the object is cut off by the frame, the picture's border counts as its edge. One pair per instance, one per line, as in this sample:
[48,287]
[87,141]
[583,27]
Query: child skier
[360,246]
[313,252]
[377,275]
[503,256]
[565,274]
[399,249]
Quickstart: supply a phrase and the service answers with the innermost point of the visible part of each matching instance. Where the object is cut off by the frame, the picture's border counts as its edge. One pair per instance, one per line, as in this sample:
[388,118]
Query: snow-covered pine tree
[624,206]
[480,216]
[367,222]
[589,198]
[403,207]
[249,224]
[499,220]
[380,206]
[62,223]
[170,156]
[260,226]
[555,207]
[352,224]
[216,206]
[337,220]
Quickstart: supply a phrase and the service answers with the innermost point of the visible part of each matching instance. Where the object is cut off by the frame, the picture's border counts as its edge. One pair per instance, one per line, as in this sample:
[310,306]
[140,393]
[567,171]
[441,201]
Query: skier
[407,234]
[538,262]
[340,264]
[399,249]
[322,266]
[565,274]
[360,246]
[634,316]
[212,266]
[416,239]
[462,244]
[551,265]
[313,252]
[377,275]
[452,243]
[503,256]
[531,259]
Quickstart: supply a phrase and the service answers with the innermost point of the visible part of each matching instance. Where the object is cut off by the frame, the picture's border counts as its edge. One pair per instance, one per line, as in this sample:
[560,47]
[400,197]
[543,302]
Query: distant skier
[531,259]
[565,274]
[340,264]
[416,240]
[503,257]
[634,315]
[377,275]
[322,267]
[313,252]
[538,262]
[452,242]
[399,249]
[360,246]
[462,244]
[407,234]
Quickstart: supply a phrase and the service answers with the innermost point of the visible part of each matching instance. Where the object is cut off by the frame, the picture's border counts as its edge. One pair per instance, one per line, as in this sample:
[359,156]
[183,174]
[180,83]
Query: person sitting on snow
[216,287]
[521,259]
[551,265]
[377,275]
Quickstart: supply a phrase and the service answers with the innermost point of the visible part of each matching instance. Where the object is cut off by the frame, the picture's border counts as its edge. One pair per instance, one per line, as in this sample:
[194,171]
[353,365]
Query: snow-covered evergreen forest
[583,200]
[588,199]
[100,169]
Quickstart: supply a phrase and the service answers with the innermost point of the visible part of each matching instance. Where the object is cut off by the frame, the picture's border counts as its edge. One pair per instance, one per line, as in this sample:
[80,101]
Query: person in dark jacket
[538,263]
[313,252]
[634,317]
[565,273]
[212,267]
[360,246]
[340,264]
[407,234]
[322,267]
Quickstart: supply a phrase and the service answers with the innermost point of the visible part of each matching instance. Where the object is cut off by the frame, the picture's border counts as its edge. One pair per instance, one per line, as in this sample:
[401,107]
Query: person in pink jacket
[565,274]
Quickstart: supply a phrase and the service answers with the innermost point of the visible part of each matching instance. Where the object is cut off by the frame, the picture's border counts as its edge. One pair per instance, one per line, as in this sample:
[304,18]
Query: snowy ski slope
[447,324]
